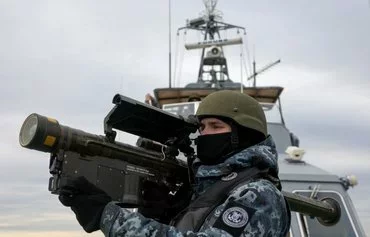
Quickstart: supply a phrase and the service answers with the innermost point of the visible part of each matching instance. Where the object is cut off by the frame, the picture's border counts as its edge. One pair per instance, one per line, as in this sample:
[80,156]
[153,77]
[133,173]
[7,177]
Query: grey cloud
[30,198]
[320,36]
[334,127]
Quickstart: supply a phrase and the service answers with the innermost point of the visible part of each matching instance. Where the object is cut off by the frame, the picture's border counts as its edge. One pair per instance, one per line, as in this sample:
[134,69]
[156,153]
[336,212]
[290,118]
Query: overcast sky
[67,59]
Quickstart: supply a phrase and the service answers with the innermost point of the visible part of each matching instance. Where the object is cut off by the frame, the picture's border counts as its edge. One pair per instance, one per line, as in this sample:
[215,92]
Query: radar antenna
[211,11]
[210,5]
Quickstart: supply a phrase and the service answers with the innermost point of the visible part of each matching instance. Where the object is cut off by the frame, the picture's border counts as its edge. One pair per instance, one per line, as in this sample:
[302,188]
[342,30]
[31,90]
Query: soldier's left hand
[86,201]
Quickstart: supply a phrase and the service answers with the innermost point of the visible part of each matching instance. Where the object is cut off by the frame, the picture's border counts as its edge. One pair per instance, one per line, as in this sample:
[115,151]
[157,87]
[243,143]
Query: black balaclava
[214,149]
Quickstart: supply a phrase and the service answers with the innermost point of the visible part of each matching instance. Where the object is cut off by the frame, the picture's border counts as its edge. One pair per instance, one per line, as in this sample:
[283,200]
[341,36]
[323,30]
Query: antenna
[211,10]
[210,6]
[169,43]
[254,75]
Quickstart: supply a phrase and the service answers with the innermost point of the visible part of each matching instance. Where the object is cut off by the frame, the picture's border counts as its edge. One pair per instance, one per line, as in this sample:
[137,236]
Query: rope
[176,57]
[181,62]
[249,62]
[241,68]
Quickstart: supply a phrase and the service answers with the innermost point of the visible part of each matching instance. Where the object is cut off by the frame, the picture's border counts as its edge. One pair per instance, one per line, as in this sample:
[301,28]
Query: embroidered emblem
[235,217]
[230,176]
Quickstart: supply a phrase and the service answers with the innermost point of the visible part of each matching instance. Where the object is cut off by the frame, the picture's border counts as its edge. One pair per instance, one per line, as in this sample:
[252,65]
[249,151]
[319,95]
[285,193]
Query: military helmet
[239,107]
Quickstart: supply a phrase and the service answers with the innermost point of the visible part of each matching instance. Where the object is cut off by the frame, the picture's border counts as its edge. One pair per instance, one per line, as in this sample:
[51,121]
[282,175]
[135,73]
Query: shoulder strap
[219,190]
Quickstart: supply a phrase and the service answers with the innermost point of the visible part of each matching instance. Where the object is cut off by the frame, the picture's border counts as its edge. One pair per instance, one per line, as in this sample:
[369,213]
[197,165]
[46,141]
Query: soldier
[236,176]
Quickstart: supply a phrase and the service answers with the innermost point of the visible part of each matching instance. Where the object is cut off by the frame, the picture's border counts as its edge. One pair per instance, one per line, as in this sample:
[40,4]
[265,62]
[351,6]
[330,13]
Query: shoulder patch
[234,218]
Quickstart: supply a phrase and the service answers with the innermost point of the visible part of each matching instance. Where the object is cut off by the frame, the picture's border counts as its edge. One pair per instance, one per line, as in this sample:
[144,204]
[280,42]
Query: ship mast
[213,70]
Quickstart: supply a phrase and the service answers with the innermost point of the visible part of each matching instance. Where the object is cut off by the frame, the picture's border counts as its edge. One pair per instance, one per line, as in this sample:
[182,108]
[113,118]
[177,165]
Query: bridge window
[272,113]
[182,109]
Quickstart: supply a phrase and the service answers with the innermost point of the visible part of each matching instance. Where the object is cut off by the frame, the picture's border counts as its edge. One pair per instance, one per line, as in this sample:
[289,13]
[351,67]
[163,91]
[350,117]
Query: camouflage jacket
[254,208]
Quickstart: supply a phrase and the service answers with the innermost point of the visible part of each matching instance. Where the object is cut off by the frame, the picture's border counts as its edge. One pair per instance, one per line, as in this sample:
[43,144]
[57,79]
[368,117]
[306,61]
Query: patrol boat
[320,203]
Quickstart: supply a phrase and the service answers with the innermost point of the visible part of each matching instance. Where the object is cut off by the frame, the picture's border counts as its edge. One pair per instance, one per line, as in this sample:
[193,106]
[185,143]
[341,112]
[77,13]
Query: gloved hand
[86,201]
